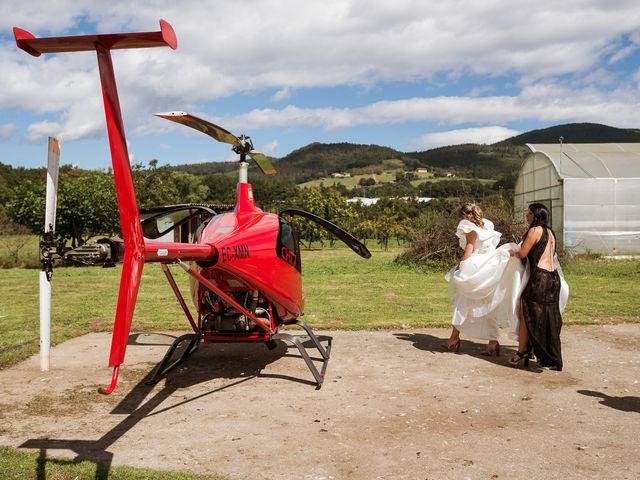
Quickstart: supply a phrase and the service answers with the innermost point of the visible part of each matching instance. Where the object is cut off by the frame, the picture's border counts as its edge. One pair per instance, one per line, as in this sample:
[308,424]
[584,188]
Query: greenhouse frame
[592,191]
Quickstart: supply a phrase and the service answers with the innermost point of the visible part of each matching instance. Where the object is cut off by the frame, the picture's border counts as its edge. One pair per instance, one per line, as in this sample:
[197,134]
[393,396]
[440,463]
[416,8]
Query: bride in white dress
[486,285]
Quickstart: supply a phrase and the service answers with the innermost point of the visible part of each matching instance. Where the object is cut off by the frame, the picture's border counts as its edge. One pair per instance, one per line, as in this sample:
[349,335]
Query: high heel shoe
[520,357]
[455,346]
[490,352]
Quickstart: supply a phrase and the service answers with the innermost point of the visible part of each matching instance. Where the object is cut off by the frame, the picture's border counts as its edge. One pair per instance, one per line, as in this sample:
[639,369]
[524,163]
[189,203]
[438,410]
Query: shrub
[437,242]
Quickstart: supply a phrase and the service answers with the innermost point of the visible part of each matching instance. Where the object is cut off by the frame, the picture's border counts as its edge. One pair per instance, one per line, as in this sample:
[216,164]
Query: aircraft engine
[219,318]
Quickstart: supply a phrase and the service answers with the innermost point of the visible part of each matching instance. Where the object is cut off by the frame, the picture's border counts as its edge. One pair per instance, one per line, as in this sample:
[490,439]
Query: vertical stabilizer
[129,215]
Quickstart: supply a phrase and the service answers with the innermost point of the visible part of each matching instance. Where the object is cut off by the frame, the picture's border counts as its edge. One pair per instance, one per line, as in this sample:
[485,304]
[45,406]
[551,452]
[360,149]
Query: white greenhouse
[592,191]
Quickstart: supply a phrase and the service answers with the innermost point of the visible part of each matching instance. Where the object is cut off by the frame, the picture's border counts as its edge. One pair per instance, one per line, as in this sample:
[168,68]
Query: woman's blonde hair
[473,213]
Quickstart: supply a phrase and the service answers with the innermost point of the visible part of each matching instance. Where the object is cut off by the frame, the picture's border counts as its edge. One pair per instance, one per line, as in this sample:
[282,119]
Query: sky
[406,74]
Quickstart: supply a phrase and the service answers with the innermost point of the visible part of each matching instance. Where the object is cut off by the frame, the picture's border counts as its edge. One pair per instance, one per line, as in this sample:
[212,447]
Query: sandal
[455,346]
[490,352]
[520,357]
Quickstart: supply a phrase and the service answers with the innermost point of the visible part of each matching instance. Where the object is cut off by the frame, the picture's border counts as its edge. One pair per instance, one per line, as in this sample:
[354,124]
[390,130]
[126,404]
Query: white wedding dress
[487,286]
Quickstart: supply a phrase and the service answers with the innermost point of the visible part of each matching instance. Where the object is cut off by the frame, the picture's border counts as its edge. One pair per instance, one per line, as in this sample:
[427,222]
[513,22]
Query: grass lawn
[384,177]
[342,290]
[351,182]
[18,465]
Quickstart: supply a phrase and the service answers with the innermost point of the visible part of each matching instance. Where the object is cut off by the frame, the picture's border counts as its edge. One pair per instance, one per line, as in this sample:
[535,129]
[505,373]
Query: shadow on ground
[236,362]
[624,404]
[433,344]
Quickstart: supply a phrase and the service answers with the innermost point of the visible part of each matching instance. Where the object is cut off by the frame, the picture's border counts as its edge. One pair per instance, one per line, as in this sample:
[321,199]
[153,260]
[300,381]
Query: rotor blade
[263,163]
[53,165]
[343,235]
[208,128]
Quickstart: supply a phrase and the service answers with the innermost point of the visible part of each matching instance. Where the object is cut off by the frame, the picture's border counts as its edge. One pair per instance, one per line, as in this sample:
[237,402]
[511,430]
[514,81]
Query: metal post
[242,174]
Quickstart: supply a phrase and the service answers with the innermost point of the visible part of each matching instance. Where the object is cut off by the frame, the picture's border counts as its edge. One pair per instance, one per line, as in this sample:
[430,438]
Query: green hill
[207,168]
[577,133]
[473,160]
[318,160]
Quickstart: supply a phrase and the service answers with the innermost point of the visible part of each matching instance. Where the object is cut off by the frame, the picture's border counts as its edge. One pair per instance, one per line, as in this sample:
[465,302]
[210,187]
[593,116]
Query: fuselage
[255,251]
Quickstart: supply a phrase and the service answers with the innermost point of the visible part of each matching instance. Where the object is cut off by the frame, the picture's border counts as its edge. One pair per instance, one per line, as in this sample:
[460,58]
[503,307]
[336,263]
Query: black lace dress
[541,306]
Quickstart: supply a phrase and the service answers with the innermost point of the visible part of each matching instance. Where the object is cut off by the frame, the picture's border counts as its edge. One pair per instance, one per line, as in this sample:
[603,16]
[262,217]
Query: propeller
[241,145]
[47,251]
[351,241]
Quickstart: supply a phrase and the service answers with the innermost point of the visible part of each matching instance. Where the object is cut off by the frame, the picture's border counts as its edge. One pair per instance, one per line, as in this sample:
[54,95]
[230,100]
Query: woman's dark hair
[540,215]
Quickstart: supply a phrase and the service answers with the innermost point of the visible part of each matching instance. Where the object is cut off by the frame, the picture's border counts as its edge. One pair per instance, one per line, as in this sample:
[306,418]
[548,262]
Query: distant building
[422,170]
[372,201]
[592,191]
[363,200]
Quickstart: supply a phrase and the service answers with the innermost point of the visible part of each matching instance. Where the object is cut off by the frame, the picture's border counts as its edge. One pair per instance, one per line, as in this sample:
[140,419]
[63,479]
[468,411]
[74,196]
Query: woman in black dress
[540,321]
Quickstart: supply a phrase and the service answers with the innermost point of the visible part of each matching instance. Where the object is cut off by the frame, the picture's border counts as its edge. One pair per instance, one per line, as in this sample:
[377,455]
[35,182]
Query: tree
[5,191]
[364,230]
[86,206]
[222,188]
[386,228]
[165,186]
[272,193]
[326,203]
[312,201]
[13,237]
[367,182]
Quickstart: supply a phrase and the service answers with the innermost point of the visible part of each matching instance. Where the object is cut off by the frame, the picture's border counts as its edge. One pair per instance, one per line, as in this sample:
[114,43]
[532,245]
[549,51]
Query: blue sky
[410,75]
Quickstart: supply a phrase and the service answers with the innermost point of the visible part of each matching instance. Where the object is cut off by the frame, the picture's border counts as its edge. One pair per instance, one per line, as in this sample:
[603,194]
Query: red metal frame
[183,304]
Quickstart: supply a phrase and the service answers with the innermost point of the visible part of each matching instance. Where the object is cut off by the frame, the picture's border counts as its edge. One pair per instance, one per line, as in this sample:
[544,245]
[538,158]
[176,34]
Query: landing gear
[162,368]
[191,342]
[296,341]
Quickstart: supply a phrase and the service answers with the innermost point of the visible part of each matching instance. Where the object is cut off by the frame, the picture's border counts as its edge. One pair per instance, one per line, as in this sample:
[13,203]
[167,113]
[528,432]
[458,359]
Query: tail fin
[129,215]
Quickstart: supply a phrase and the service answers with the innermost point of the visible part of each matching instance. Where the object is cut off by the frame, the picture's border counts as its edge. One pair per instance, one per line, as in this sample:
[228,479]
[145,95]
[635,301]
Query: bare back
[546,259]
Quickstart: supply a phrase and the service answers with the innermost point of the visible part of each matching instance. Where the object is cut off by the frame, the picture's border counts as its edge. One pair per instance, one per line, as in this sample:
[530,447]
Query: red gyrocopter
[244,265]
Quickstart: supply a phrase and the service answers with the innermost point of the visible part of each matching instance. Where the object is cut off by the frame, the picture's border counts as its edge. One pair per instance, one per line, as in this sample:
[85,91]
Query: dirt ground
[393,406]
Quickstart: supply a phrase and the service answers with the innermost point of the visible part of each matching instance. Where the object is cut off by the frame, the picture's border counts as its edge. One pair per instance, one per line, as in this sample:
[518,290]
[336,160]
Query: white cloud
[281,95]
[270,147]
[7,130]
[546,102]
[327,42]
[39,130]
[483,135]
[227,47]
[81,120]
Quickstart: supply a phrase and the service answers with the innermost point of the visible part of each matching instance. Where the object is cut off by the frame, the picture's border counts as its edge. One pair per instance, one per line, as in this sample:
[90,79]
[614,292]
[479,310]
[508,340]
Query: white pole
[45,321]
[243,173]
[560,166]
[53,163]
